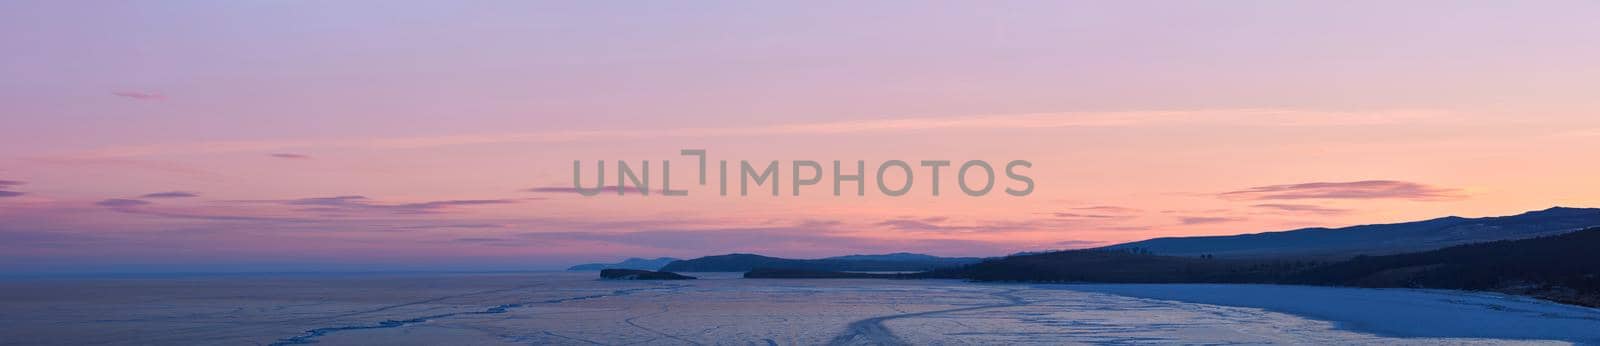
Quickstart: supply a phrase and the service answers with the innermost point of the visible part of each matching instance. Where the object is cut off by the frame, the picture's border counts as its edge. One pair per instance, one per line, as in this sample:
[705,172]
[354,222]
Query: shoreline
[1397,312]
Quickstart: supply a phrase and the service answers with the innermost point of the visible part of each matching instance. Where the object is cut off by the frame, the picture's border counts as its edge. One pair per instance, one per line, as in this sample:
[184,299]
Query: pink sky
[393,135]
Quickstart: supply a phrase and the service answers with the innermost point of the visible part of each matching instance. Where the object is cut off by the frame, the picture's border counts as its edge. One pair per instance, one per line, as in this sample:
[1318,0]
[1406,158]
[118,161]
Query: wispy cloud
[1230,117]
[222,222]
[940,224]
[338,212]
[1083,216]
[250,220]
[171,194]
[606,190]
[1079,243]
[778,240]
[361,203]
[6,185]
[1206,220]
[121,203]
[913,225]
[140,95]
[319,210]
[291,156]
[448,226]
[1303,208]
[1367,189]
[480,240]
[1108,209]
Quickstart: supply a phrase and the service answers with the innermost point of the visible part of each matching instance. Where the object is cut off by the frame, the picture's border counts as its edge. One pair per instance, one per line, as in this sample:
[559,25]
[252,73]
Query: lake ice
[575,308]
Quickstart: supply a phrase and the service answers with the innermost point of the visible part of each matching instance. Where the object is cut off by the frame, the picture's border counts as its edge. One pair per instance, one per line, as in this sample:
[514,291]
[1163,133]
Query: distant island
[896,262]
[634,274]
[631,263]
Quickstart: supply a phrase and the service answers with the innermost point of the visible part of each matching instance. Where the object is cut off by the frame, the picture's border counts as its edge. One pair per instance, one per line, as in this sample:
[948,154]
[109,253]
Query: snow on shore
[1390,312]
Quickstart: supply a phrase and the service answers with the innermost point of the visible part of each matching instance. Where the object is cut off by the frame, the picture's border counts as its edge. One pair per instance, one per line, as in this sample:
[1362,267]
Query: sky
[405,135]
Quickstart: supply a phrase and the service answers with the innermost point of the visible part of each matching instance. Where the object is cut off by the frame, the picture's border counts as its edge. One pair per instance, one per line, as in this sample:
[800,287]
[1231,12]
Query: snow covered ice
[575,308]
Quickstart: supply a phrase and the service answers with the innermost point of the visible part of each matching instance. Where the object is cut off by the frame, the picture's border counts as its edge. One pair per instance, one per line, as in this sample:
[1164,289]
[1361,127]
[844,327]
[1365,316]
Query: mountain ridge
[1374,239]
[1562,268]
[630,263]
[744,262]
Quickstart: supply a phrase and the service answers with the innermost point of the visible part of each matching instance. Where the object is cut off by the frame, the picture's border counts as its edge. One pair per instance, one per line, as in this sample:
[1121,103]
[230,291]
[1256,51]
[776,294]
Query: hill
[1564,268]
[1383,239]
[635,274]
[1123,266]
[906,257]
[857,263]
[631,263]
[763,273]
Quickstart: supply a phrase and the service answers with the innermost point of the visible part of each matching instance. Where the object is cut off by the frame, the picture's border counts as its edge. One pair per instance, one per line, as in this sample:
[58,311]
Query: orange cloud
[1366,189]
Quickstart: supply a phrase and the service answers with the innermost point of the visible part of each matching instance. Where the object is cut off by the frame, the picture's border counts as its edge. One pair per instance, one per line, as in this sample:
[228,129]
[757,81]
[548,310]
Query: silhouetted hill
[1563,268]
[907,257]
[747,262]
[1119,266]
[1339,243]
[634,274]
[761,273]
[631,263]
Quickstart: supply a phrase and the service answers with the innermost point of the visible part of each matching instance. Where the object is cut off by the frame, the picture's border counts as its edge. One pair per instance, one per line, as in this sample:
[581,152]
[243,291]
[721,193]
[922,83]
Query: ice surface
[575,308]
[1395,312]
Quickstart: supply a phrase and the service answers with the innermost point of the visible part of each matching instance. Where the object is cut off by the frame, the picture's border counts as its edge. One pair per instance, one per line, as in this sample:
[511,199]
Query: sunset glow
[291,136]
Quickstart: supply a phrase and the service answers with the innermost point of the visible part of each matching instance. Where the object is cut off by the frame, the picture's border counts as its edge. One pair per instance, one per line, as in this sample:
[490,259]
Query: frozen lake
[574,308]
